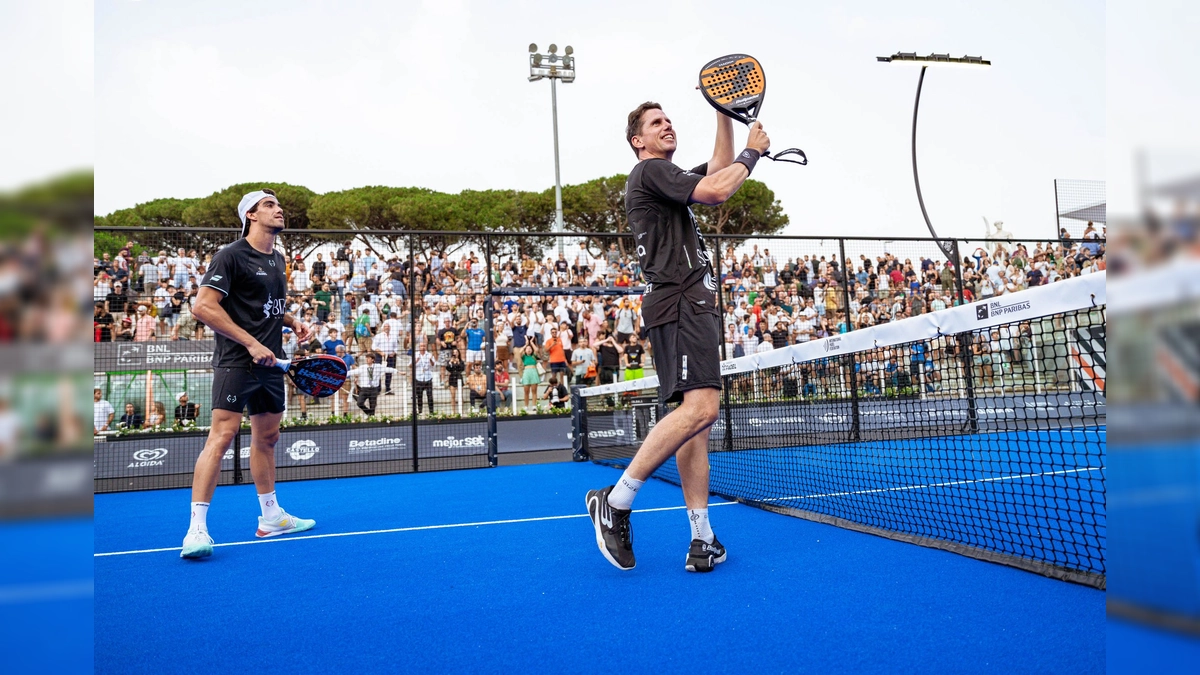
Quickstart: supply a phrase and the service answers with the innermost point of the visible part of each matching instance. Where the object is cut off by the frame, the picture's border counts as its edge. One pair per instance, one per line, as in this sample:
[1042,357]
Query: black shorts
[687,353]
[259,389]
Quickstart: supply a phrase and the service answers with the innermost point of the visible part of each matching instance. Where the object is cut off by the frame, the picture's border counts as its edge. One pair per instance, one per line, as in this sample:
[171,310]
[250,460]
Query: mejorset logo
[452,442]
[147,457]
[303,450]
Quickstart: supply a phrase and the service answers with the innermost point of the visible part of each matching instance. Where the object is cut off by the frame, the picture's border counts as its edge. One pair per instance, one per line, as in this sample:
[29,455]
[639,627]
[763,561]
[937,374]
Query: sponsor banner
[180,354]
[301,446]
[135,456]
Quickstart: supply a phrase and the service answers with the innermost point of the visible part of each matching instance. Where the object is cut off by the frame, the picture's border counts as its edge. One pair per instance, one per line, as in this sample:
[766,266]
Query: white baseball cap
[248,202]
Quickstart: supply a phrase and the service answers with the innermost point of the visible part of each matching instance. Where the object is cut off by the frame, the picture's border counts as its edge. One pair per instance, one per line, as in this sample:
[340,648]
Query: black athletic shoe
[613,534]
[703,557]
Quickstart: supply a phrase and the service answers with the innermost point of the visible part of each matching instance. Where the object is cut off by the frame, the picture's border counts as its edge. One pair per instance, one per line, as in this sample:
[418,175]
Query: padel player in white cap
[242,299]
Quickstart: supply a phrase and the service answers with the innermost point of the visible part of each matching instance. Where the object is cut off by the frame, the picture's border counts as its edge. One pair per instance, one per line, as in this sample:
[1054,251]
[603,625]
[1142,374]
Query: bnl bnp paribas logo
[273,307]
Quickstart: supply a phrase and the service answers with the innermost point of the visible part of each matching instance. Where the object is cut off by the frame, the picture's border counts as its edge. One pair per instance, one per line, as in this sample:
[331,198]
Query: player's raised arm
[716,188]
[723,149]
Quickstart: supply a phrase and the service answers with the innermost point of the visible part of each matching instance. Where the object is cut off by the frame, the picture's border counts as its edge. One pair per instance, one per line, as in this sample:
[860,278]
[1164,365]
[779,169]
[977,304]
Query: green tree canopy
[595,206]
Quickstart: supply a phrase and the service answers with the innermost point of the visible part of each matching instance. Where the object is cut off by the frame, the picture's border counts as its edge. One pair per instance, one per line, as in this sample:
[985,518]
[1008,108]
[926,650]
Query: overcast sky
[192,97]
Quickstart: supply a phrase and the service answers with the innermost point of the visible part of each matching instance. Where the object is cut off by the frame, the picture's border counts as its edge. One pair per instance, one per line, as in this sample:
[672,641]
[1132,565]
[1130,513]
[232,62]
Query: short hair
[633,126]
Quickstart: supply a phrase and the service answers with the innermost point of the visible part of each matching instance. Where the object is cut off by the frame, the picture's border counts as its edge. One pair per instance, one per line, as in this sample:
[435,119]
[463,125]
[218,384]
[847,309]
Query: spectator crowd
[359,302]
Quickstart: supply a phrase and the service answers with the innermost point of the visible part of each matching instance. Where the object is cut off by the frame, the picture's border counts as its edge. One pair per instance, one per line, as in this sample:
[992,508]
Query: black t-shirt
[318,269]
[609,357]
[561,265]
[447,337]
[104,322]
[633,355]
[671,251]
[116,302]
[255,290]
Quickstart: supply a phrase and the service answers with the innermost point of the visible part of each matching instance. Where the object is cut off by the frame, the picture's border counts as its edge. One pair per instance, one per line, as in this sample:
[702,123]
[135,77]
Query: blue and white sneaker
[284,524]
[197,544]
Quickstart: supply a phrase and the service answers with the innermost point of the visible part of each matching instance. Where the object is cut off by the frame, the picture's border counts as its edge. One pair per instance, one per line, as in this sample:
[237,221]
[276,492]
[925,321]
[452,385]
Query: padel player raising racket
[680,310]
[242,298]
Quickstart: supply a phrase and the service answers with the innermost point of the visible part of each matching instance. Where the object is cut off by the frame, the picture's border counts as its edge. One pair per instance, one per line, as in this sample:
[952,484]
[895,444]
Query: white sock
[270,506]
[700,527]
[199,517]
[624,491]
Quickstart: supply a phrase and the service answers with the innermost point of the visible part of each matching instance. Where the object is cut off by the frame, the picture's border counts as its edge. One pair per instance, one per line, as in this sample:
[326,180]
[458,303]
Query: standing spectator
[583,360]
[555,353]
[185,413]
[530,376]
[102,411]
[475,337]
[331,345]
[503,351]
[102,323]
[318,269]
[455,367]
[143,328]
[633,358]
[424,366]
[386,345]
[368,379]
[131,419]
[323,300]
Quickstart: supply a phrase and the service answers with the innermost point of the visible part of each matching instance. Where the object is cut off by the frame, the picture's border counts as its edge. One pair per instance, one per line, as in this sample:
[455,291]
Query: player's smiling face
[270,214]
[657,138]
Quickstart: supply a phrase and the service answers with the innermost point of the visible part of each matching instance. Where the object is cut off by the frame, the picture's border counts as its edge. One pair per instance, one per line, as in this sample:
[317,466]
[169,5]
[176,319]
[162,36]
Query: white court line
[395,529]
[11,595]
[584,515]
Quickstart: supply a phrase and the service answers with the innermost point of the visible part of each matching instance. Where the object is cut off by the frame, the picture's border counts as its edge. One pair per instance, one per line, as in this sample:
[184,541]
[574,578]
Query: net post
[852,377]
[579,446]
[412,318]
[489,308]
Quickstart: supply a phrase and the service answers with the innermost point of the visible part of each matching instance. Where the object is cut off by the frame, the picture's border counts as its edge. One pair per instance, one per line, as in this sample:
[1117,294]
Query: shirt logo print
[260,272]
[272,307]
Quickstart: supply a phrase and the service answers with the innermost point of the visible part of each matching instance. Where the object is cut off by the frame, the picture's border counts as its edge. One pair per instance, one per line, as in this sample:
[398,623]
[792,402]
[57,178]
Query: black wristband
[749,158]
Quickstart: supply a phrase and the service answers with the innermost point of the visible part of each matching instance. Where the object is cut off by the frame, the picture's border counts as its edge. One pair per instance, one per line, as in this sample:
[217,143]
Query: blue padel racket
[735,85]
[317,376]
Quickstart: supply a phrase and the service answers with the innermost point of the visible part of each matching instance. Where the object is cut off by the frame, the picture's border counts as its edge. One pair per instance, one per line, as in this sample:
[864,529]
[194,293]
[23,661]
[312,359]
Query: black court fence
[478,398]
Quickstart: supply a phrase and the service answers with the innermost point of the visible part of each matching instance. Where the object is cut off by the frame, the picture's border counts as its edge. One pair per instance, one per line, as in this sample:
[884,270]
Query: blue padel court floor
[496,570]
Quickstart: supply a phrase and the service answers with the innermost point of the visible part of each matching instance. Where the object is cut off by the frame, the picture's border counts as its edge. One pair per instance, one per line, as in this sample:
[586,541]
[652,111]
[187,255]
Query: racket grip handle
[282,364]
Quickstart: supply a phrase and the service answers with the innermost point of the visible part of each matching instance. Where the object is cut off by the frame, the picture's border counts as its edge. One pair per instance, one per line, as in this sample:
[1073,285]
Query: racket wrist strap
[748,157]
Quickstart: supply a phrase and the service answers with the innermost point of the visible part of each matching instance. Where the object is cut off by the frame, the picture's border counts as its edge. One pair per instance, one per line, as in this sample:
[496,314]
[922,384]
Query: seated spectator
[131,419]
[157,416]
[185,413]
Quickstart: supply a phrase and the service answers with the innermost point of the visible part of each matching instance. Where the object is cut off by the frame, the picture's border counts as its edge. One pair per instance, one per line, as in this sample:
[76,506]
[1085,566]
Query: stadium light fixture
[555,67]
[934,59]
[925,62]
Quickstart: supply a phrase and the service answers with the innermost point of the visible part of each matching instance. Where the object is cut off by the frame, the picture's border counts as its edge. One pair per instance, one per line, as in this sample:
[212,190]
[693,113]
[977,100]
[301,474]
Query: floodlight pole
[558,210]
[916,177]
[555,67]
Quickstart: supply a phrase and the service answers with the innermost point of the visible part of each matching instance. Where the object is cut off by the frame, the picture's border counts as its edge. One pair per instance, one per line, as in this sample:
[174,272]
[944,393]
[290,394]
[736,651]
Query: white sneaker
[284,524]
[197,544]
